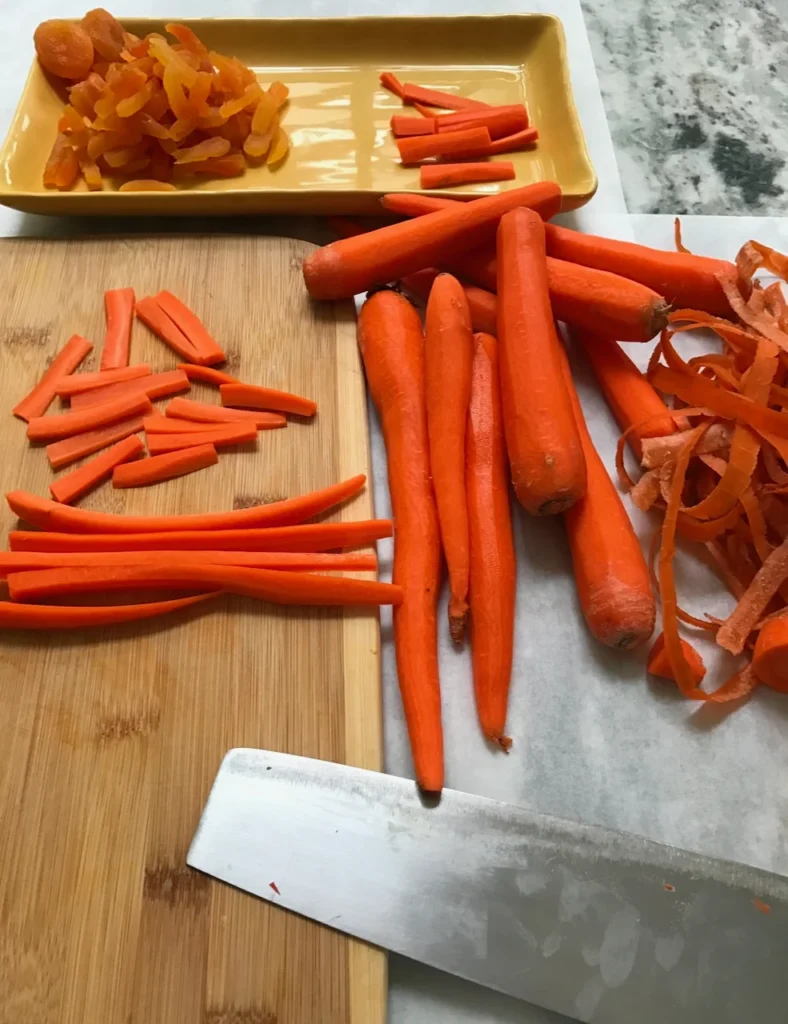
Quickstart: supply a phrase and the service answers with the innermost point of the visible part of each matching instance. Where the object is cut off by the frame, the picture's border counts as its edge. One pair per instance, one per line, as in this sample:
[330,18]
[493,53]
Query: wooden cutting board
[110,740]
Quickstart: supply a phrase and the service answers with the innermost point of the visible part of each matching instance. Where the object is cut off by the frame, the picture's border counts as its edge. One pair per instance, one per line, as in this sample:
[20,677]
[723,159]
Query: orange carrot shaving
[735,631]
[63,453]
[658,664]
[200,412]
[155,386]
[63,365]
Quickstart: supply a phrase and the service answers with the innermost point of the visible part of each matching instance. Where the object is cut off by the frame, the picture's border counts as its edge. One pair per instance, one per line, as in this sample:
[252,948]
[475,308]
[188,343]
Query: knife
[598,925]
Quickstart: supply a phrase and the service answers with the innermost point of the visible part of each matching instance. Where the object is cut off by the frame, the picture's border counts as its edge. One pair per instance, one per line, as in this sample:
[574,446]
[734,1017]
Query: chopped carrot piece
[63,453]
[435,98]
[155,386]
[76,383]
[119,306]
[206,374]
[448,175]
[251,396]
[192,327]
[63,365]
[76,484]
[50,428]
[221,436]
[146,185]
[390,81]
[200,412]
[164,467]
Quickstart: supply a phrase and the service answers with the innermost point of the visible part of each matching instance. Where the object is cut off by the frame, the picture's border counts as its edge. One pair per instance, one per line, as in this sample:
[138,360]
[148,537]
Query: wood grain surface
[110,740]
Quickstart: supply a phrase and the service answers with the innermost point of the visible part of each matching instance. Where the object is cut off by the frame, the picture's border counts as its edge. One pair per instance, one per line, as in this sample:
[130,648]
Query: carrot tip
[457,620]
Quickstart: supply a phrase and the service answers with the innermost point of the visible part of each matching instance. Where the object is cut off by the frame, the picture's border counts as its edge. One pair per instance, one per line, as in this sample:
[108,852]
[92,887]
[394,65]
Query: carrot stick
[542,438]
[78,382]
[492,559]
[499,121]
[221,436]
[43,394]
[448,352]
[293,588]
[390,81]
[505,144]
[119,308]
[770,657]
[48,515]
[402,125]
[155,386]
[49,428]
[206,374]
[435,98]
[158,424]
[151,313]
[424,109]
[74,485]
[191,325]
[447,175]
[684,279]
[200,412]
[391,344]
[613,582]
[482,304]
[254,397]
[164,467]
[63,453]
[658,664]
[16,616]
[352,265]
[312,537]
[415,149]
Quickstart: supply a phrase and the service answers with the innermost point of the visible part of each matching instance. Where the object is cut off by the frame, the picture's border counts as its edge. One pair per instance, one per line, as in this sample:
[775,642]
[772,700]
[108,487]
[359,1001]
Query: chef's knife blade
[598,925]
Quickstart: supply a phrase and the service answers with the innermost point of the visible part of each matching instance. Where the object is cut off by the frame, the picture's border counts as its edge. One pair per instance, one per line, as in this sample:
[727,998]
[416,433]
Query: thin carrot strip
[417,148]
[155,386]
[505,144]
[43,394]
[151,313]
[733,633]
[448,175]
[252,396]
[201,412]
[158,424]
[16,616]
[119,308]
[412,93]
[50,428]
[206,374]
[74,485]
[222,436]
[78,382]
[191,325]
[500,121]
[164,467]
[63,453]
[406,126]
[390,81]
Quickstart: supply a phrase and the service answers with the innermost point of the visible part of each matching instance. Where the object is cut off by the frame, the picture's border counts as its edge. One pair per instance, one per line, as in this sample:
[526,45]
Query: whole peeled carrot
[492,559]
[611,575]
[482,304]
[448,357]
[352,265]
[392,347]
[545,453]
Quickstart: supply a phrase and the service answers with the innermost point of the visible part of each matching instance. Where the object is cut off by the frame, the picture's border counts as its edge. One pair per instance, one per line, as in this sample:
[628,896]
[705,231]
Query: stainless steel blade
[598,925]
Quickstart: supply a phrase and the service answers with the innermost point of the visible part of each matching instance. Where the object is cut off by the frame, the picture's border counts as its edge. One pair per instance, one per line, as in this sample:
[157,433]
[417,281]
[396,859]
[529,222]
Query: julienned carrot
[48,515]
[412,93]
[206,374]
[252,396]
[542,437]
[222,436]
[158,424]
[392,347]
[264,584]
[421,147]
[770,657]
[64,364]
[390,81]
[201,412]
[191,325]
[685,280]
[354,561]
[22,616]
[482,304]
[499,121]
[402,125]
[613,582]
[448,175]
[352,265]
[311,537]
[164,467]
[658,664]
[72,486]
[151,313]
[119,308]
[155,386]
[63,453]
[49,428]
[505,144]
[448,349]
[492,559]
[78,382]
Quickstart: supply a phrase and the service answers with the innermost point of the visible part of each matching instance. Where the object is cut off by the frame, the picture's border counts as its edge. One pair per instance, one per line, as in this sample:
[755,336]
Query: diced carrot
[390,81]
[19,616]
[74,485]
[164,467]
[63,365]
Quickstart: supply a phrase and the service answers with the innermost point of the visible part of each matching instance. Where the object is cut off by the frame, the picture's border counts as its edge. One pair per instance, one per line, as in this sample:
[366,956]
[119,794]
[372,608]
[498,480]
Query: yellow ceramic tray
[343,157]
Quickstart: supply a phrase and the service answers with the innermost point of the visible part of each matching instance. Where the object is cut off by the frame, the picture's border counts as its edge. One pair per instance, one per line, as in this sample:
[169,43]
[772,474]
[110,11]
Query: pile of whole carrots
[463,413]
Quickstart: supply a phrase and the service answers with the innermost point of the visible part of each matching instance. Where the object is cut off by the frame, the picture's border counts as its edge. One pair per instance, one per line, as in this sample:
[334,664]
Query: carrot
[151,313]
[391,344]
[424,109]
[492,558]
[63,453]
[352,265]
[158,424]
[506,144]
[165,467]
[119,308]
[613,582]
[770,657]
[658,664]
[48,515]
[415,149]
[448,358]
[155,386]
[16,616]
[221,436]
[49,428]
[206,374]
[499,121]
[74,485]
[542,438]
[254,397]
[435,98]
[390,81]
[200,412]
[78,382]
[684,279]
[354,561]
[292,588]
[401,125]
[312,537]
[447,175]
[43,394]
[191,325]
[482,304]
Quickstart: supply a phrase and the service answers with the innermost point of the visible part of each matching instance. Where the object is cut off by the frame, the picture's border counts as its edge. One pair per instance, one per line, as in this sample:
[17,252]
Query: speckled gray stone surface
[696,93]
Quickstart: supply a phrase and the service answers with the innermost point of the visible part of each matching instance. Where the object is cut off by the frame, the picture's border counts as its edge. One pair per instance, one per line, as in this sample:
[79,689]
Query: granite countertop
[696,93]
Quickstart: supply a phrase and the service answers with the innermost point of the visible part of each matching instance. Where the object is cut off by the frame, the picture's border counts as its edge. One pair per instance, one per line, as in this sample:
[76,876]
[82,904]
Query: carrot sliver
[64,452]
[417,148]
[50,428]
[16,616]
[155,386]
[191,325]
[151,313]
[252,396]
[448,175]
[222,436]
[206,374]
[412,93]
[119,308]
[74,485]
[79,382]
[63,365]
[734,632]
[201,412]
[164,467]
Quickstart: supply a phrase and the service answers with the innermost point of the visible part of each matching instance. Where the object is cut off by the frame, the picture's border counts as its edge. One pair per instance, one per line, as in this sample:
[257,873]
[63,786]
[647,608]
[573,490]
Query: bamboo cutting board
[109,740]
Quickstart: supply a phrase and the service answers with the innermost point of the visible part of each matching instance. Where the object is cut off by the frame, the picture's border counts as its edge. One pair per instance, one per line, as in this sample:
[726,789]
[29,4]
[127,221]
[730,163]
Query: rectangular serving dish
[343,156]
